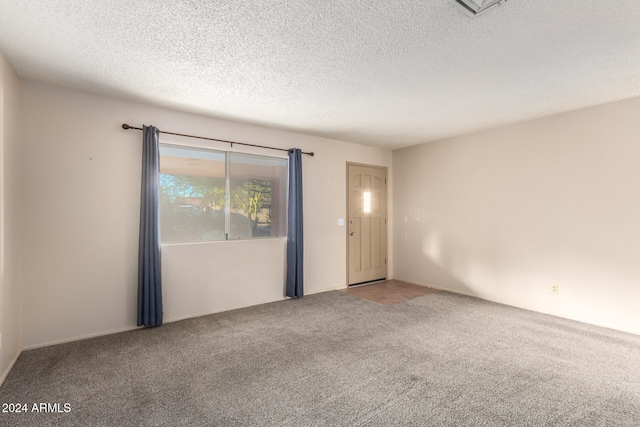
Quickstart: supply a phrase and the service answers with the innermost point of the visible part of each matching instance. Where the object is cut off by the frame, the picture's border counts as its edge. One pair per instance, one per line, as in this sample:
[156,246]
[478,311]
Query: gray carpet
[334,359]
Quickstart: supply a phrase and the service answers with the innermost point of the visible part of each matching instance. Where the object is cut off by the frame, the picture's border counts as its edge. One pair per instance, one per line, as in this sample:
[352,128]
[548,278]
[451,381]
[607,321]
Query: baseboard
[79,338]
[440,288]
[166,320]
[209,313]
[522,307]
[337,288]
[5,374]
[176,319]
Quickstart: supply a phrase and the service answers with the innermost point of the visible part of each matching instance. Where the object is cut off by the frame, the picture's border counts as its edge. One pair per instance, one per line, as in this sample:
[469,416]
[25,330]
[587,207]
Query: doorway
[367,223]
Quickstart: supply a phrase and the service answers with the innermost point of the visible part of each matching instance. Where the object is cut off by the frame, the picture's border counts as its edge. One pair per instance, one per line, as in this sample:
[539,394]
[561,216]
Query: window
[258,187]
[208,195]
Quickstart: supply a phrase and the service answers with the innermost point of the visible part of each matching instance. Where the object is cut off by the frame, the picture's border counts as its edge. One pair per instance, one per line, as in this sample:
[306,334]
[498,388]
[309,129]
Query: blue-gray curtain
[149,273]
[295,251]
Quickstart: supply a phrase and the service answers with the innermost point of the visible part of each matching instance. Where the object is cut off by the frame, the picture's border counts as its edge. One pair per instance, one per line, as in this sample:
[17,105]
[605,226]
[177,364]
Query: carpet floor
[334,359]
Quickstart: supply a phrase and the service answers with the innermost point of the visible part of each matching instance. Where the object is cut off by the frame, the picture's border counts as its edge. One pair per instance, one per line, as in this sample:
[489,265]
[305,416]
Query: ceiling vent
[476,7]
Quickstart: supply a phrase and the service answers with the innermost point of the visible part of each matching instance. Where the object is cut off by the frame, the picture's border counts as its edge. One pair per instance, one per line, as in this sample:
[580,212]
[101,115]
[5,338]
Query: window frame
[227,188]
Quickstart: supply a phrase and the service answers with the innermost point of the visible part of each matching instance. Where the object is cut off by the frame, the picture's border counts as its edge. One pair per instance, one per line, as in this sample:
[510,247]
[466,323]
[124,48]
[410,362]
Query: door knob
[352,233]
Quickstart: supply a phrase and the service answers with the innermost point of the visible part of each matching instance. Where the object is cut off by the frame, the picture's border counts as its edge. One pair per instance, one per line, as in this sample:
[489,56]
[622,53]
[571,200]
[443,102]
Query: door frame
[386,215]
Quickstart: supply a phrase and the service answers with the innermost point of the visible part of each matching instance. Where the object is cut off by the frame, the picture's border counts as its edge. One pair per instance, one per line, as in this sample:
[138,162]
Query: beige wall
[81,178]
[10,299]
[505,214]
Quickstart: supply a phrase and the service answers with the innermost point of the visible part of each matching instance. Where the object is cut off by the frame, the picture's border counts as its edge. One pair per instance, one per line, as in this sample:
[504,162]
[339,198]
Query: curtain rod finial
[125,126]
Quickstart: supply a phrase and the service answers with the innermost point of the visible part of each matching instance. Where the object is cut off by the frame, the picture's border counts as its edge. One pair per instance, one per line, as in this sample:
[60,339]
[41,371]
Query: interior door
[367,223]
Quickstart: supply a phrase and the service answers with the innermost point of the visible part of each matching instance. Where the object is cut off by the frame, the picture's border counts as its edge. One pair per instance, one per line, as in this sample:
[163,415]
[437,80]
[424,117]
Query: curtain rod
[127,127]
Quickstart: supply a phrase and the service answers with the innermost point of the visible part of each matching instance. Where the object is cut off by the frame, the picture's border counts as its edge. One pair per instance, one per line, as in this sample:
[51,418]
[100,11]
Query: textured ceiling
[377,72]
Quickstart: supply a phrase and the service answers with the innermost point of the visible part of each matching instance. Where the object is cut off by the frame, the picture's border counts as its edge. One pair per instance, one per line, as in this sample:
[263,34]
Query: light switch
[340,222]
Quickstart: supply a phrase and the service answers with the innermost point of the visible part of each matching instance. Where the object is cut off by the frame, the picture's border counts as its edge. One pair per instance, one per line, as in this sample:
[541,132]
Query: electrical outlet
[555,289]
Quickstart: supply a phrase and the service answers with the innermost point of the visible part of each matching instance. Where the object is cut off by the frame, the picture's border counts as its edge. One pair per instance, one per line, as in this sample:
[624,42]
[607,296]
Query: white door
[367,223]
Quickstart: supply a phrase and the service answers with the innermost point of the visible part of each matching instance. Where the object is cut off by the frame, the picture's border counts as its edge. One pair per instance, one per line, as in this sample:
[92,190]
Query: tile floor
[389,291]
